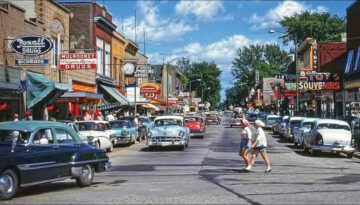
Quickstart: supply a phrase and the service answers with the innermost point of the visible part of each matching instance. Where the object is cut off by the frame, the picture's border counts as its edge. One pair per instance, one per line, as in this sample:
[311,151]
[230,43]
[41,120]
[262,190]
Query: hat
[259,123]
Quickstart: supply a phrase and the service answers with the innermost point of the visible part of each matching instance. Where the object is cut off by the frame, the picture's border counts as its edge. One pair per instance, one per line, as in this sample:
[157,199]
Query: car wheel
[9,184]
[349,155]
[152,148]
[305,149]
[230,125]
[111,148]
[97,145]
[313,152]
[182,148]
[87,176]
[296,144]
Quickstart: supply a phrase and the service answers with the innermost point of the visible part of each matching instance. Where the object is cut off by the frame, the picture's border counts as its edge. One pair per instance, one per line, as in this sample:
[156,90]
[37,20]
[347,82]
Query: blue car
[125,132]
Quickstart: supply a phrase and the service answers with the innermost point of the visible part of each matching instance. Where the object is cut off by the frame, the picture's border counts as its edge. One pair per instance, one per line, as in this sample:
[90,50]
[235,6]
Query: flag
[22,87]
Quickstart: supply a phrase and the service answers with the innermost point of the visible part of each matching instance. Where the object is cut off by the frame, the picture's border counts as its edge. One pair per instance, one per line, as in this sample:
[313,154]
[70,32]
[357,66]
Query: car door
[41,161]
[67,146]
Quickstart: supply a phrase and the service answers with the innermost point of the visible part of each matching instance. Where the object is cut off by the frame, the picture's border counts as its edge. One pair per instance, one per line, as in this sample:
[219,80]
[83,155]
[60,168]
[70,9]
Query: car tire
[152,148]
[87,176]
[349,155]
[313,152]
[296,144]
[182,148]
[11,178]
[111,148]
[304,148]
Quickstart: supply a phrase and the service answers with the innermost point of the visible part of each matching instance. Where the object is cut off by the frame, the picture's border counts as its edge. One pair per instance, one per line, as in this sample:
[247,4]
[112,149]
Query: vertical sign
[257,77]
[315,58]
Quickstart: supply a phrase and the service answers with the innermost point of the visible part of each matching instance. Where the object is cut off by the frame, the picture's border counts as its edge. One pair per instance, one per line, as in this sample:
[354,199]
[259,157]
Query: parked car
[145,125]
[276,125]
[282,126]
[306,125]
[235,120]
[168,131]
[95,132]
[252,116]
[329,135]
[196,126]
[142,130]
[293,122]
[212,119]
[270,120]
[262,116]
[35,152]
[125,132]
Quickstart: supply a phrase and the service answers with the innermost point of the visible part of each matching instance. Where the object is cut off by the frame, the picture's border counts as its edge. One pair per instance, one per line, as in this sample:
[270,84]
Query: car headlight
[124,133]
[149,134]
[181,133]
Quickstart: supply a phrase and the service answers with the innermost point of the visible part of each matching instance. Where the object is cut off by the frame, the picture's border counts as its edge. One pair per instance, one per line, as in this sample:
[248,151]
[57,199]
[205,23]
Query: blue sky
[208,30]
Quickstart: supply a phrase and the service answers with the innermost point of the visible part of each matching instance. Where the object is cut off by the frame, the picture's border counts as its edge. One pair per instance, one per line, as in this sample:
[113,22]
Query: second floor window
[107,60]
[100,56]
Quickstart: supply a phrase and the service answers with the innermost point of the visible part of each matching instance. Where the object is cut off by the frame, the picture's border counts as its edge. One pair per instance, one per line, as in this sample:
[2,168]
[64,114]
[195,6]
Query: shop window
[100,56]
[349,62]
[357,60]
[107,60]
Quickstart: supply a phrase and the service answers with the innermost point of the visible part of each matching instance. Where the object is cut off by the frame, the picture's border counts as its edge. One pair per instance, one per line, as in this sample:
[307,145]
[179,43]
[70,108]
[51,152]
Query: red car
[196,126]
[212,119]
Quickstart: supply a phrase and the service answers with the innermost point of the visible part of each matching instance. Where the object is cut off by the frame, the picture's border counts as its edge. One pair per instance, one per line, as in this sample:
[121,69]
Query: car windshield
[271,120]
[120,124]
[8,136]
[295,123]
[167,122]
[192,119]
[84,126]
[307,124]
[333,126]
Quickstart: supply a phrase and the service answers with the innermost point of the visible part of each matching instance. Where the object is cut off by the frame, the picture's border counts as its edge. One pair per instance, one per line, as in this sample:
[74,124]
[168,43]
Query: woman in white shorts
[260,145]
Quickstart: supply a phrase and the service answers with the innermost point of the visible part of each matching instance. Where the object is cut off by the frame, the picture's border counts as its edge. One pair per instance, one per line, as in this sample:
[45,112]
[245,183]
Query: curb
[357,155]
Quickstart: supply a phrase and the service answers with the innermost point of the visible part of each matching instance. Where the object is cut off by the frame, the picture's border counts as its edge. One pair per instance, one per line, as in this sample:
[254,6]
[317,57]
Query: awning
[151,106]
[82,95]
[116,94]
[47,91]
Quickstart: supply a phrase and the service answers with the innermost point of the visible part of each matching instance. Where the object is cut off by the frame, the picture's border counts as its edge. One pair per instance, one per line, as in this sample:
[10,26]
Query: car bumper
[121,140]
[329,148]
[195,134]
[212,121]
[166,144]
[108,166]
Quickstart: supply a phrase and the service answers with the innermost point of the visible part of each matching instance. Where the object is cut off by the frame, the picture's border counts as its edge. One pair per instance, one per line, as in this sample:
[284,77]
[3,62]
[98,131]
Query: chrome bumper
[329,148]
[165,144]
[195,134]
[108,166]
[121,140]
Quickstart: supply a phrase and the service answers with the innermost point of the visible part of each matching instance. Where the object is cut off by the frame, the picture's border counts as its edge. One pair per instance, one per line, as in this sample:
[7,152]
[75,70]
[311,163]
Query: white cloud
[157,28]
[284,9]
[202,10]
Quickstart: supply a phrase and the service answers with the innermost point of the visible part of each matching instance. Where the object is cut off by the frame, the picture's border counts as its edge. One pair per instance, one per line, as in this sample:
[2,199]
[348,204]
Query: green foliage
[324,27]
[209,74]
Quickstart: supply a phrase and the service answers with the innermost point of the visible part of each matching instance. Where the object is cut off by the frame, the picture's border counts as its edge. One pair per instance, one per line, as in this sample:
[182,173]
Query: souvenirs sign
[31,45]
[78,61]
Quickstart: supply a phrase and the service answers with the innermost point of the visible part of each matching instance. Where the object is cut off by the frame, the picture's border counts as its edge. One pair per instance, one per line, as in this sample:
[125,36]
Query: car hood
[193,125]
[166,131]
[335,137]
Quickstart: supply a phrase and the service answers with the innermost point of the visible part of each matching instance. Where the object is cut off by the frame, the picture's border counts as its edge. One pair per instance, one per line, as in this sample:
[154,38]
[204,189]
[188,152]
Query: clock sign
[129,69]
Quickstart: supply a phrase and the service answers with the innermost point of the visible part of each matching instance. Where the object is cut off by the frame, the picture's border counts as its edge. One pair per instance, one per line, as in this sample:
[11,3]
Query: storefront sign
[315,57]
[77,87]
[143,71]
[78,61]
[150,88]
[31,45]
[130,81]
[22,62]
[319,81]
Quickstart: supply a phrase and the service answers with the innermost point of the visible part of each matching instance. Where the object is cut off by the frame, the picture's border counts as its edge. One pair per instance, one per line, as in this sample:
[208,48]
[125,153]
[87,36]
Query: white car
[270,120]
[329,135]
[293,122]
[96,132]
[282,126]
[299,132]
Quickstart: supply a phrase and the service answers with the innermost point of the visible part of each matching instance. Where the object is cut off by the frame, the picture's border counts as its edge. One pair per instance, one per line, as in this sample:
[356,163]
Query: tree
[324,27]
[209,74]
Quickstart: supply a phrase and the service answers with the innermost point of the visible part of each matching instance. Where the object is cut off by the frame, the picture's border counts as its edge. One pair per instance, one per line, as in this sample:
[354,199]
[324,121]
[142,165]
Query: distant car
[212,119]
[270,120]
[262,116]
[276,125]
[282,126]
[142,129]
[293,122]
[125,132]
[36,152]
[252,116]
[96,133]
[168,131]
[329,135]
[196,126]
[299,132]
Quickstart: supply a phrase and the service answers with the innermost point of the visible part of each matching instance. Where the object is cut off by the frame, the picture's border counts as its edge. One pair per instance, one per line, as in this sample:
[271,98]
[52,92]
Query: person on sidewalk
[245,144]
[260,145]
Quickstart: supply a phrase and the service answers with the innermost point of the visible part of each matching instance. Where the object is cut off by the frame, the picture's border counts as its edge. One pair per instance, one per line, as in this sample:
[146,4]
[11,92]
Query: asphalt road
[209,171]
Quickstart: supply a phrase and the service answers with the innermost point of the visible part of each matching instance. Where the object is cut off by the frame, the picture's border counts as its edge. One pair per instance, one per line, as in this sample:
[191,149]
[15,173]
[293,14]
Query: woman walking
[245,144]
[260,145]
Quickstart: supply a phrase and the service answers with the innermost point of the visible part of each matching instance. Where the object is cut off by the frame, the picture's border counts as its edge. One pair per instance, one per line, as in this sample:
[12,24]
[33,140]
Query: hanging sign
[31,45]
[150,88]
[78,61]
[22,62]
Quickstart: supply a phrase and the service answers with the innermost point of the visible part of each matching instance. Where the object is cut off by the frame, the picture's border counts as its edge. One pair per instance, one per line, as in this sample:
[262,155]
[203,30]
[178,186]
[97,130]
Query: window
[43,136]
[100,56]
[349,62]
[63,137]
[357,63]
[107,60]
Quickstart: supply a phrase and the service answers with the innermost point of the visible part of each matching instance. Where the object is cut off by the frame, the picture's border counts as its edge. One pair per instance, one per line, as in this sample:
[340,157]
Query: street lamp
[167,80]
[199,79]
[296,66]
[202,94]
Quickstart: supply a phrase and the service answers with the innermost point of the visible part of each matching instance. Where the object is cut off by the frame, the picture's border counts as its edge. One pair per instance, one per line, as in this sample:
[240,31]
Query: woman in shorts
[245,144]
[260,145]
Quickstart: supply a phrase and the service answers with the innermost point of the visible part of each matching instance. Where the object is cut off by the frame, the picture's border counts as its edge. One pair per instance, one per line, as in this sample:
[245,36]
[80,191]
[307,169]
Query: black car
[36,152]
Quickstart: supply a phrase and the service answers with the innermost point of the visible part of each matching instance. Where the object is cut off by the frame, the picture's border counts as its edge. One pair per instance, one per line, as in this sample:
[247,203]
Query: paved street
[209,172]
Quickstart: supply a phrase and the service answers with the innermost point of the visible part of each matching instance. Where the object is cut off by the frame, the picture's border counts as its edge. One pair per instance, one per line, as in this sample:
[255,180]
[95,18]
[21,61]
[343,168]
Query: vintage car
[329,135]
[142,128]
[168,131]
[196,126]
[252,116]
[125,132]
[282,126]
[212,119]
[304,128]
[276,125]
[96,133]
[293,122]
[270,120]
[235,119]
[35,152]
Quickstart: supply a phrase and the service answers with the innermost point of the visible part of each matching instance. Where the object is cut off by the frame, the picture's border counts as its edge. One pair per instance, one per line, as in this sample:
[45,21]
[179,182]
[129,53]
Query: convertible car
[36,152]
[196,126]
[168,131]
[329,135]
